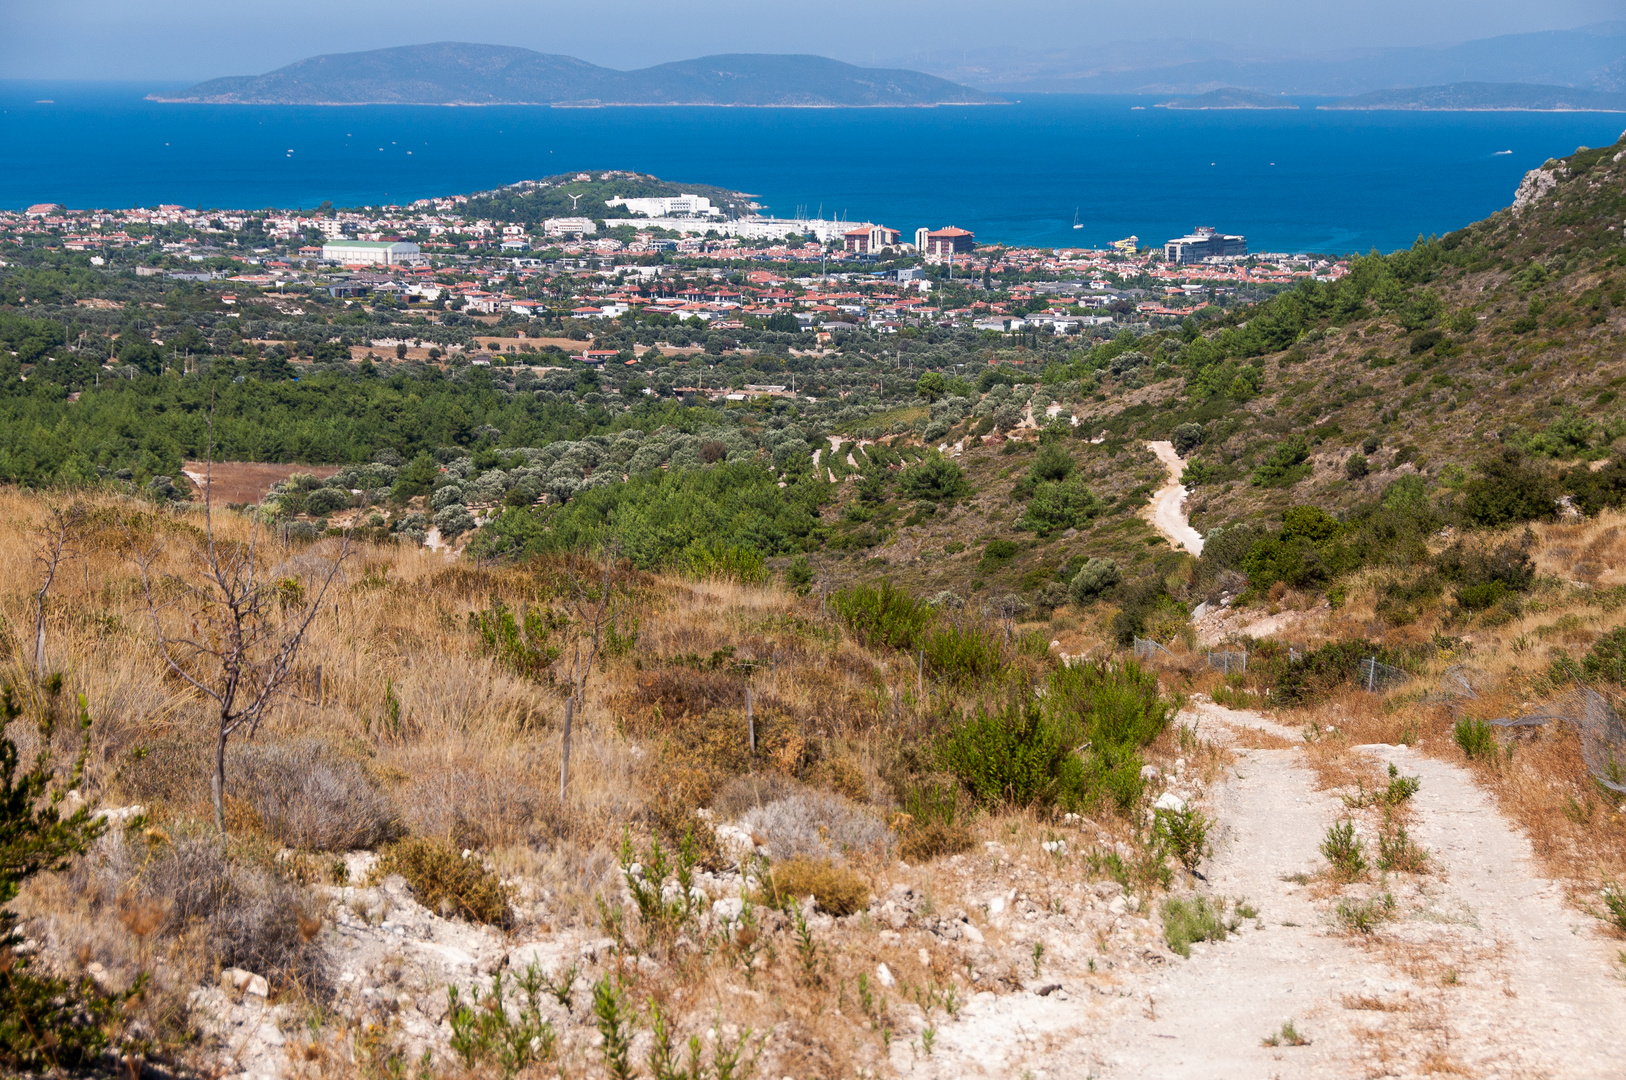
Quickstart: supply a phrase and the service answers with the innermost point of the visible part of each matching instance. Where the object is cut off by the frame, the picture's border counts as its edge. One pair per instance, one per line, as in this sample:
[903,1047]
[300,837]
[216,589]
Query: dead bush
[933,840]
[741,793]
[446,882]
[248,915]
[308,797]
[819,825]
[837,890]
[171,771]
[472,806]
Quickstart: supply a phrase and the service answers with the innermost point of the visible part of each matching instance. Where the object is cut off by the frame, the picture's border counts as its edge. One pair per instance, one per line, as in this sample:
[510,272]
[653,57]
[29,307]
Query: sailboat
[1076,224]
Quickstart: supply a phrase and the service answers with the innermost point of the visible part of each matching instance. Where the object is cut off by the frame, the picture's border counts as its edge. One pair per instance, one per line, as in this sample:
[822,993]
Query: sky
[191,40]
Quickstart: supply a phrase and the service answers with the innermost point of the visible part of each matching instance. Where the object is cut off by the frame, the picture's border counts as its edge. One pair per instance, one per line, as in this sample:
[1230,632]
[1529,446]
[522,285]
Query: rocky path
[1476,968]
[1167,510]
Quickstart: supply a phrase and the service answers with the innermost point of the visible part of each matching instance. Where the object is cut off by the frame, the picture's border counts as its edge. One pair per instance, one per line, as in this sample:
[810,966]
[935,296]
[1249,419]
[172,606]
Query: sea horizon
[1304,180]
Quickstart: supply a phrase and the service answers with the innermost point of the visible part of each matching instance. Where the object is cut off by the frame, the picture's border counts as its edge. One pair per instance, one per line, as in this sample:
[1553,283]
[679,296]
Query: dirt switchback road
[1473,968]
[1167,511]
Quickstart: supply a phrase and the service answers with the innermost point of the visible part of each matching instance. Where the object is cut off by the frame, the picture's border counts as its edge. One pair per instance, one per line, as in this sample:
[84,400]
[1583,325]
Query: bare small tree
[243,631]
[594,605]
[57,534]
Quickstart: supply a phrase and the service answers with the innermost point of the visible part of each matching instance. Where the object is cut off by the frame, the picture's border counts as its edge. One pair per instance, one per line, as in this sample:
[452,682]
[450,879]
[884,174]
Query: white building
[746,228]
[569,226]
[679,206]
[381,252]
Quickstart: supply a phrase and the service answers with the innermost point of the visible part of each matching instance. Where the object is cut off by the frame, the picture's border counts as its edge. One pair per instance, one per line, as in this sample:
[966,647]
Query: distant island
[1229,97]
[457,73]
[1486,97]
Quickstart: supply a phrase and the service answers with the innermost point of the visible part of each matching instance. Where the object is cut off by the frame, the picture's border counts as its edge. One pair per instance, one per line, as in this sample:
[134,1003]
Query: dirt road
[1167,510]
[1474,967]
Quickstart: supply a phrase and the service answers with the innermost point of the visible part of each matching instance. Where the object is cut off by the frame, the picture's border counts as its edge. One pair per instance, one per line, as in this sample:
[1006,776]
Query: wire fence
[1147,649]
[1603,735]
[1228,661]
[1377,678]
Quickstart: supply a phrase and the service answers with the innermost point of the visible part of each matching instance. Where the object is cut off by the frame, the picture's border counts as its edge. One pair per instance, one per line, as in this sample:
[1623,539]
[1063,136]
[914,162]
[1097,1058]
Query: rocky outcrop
[1536,184]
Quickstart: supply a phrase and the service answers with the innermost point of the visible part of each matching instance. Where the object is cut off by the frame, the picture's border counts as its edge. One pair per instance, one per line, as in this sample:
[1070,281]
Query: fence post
[920,673]
[319,699]
[564,756]
[1244,661]
[750,719]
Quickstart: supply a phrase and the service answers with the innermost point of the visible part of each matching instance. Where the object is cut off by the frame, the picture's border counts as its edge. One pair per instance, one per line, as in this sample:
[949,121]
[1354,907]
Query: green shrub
[1116,706]
[1607,657]
[1287,1036]
[1093,579]
[883,615]
[445,882]
[1507,491]
[1343,850]
[486,1032]
[1182,834]
[998,555]
[1186,438]
[723,562]
[1287,464]
[1398,853]
[1317,673]
[1052,464]
[936,478]
[1068,504]
[1356,467]
[1482,596]
[1197,919]
[325,501]
[799,575]
[964,653]
[1015,756]
[1363,916]
[1023,754]
[1476,738]
[46,1023]
[1614,902]
[519,643]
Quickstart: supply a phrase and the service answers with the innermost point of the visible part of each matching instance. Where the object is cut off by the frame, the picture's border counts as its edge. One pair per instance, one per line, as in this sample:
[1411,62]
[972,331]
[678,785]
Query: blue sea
[1304,180]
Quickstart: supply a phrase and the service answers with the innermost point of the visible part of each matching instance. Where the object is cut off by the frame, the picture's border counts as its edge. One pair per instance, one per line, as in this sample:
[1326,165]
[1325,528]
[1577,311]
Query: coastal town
[678,259]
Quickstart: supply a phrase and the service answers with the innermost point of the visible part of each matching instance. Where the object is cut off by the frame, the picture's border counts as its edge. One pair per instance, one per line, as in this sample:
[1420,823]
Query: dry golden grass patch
[408,710]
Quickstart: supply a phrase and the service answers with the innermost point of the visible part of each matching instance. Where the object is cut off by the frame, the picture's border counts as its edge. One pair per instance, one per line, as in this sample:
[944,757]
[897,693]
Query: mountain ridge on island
[1485,97]
[1229,97]
[459,73]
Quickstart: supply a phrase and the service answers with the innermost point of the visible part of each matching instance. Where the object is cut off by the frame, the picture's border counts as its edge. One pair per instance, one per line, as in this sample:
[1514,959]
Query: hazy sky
[197,39]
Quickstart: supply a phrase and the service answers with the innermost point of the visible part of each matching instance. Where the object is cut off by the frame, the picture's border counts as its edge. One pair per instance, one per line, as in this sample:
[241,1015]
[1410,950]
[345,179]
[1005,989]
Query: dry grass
[413,727]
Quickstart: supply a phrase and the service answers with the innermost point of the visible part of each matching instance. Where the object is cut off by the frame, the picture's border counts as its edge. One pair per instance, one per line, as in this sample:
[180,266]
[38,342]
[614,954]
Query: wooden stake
[564,755]
[750,719]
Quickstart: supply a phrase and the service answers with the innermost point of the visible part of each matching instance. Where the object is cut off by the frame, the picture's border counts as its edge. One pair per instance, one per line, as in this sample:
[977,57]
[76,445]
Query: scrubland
[805,827]
[421,732]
